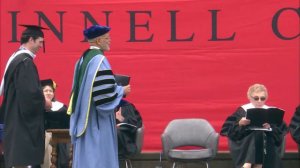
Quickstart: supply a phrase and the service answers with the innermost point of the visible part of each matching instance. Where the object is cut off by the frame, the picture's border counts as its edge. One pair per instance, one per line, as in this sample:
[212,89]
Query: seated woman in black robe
[253,148]
[128,120]
[295,127]
[55,118]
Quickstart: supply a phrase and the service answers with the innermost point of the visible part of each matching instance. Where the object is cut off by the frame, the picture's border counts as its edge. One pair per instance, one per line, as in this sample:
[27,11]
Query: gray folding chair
[190,132]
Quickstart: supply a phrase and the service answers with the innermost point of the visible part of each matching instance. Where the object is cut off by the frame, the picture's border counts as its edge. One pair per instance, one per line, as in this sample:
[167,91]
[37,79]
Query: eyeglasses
[256,98]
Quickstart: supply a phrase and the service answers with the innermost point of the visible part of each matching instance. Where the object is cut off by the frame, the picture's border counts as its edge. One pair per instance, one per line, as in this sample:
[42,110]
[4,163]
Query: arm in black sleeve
[30,97]
[231,128]
[131,115]
[278,132]
[294,126]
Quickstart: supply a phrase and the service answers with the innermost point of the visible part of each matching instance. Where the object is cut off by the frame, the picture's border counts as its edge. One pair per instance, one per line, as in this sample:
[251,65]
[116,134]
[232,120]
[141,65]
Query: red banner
[187,59]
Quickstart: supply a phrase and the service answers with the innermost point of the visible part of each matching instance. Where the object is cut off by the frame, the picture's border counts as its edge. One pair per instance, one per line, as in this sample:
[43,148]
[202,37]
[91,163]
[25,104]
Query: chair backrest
[139,139]
[190,132]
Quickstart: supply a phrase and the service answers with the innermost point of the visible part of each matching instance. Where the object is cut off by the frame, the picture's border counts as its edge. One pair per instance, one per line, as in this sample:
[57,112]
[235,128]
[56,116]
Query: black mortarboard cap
[48,82]
[95,31]
[33,31]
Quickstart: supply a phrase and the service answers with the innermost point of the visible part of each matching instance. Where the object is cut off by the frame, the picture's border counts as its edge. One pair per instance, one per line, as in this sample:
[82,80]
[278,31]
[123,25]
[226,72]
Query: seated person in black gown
[295,127]
[128,120]
[253,148]
[55,118]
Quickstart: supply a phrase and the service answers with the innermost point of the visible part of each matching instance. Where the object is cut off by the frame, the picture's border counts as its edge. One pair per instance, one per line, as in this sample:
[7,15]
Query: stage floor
[222,160]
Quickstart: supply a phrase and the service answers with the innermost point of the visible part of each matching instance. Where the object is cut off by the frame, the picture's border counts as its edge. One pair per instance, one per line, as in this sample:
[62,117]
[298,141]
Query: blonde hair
[257,88]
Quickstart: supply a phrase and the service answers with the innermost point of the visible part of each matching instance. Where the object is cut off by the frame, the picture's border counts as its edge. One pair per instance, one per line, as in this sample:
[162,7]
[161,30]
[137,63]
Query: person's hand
[48,104]
[244,121]
[266,125]
[119,115]
[127,89]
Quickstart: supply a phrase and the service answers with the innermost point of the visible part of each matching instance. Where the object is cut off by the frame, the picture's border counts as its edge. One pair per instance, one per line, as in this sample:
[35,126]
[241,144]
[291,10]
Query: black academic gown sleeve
[126,134]
[30,97]
[231,129]
[131,115]
[294,126]
[248,146]
[57,119]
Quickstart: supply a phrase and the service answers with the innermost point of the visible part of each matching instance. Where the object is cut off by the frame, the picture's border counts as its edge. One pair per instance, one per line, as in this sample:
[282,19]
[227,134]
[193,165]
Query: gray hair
[257,88]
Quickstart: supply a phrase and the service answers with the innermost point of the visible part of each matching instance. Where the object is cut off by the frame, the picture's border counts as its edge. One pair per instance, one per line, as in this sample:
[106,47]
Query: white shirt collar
[250,105]
[29,52]
[94,47]
[56,106]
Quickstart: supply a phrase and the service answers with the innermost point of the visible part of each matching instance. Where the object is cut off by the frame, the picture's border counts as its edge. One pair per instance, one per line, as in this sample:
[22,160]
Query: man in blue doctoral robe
[94,97]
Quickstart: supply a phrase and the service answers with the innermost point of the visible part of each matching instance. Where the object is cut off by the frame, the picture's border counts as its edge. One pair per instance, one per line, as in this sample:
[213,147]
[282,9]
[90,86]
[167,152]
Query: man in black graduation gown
[128,121]
[23,105]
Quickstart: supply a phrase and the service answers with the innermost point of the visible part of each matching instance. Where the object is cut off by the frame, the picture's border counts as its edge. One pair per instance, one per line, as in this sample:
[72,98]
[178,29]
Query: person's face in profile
[258,99]
[104,42]
[48,92]
[36,44]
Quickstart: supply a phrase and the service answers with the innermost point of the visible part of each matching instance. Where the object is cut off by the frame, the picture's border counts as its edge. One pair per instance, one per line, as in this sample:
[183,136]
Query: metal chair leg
[128,163]
[174,164]
[207,165]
